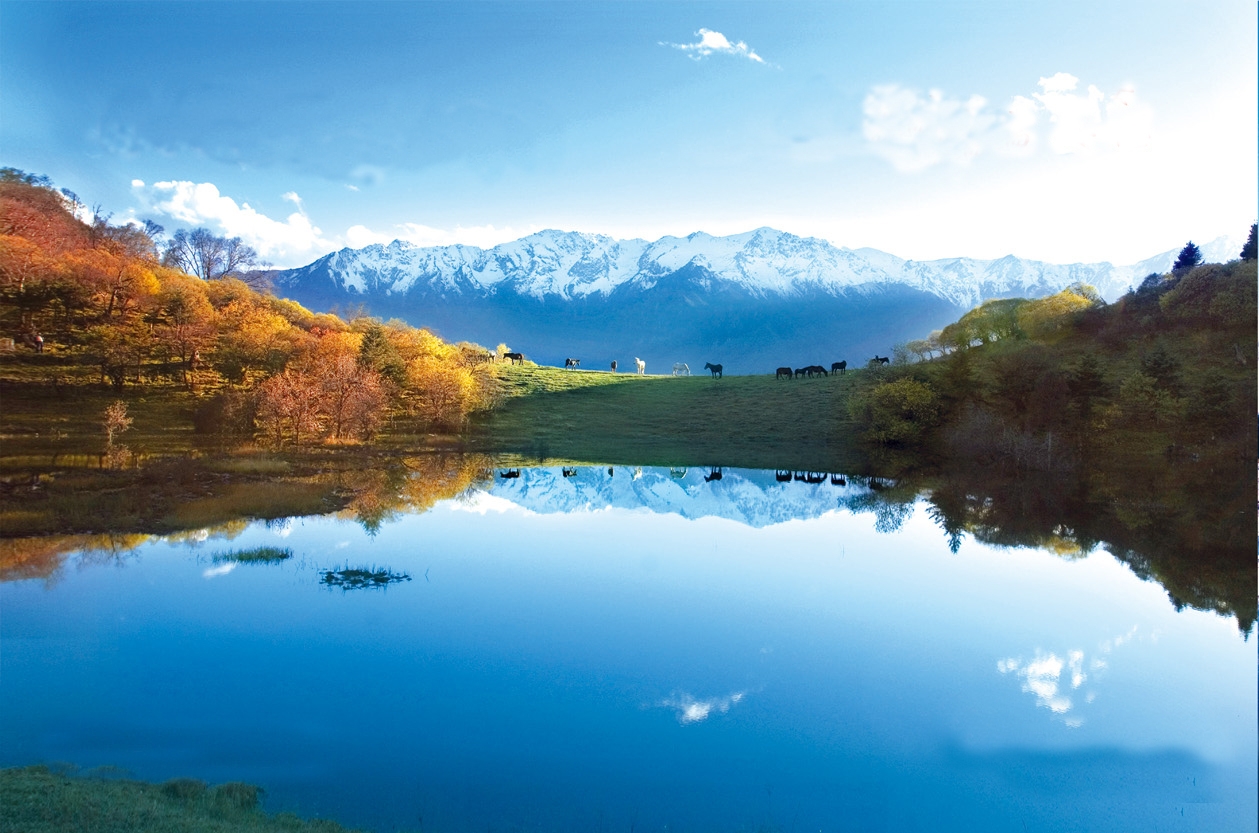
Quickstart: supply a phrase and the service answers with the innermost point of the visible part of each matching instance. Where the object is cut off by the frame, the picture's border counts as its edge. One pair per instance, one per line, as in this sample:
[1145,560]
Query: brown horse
[514,358]
[781,372]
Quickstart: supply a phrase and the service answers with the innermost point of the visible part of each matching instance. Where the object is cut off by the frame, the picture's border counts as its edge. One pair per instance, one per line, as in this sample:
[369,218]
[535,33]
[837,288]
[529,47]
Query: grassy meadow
[595,416]
[36,800]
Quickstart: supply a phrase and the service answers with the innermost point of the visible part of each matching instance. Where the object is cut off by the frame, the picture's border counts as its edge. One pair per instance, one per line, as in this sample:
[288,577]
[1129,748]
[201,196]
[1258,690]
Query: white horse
[681,369]
[642,366]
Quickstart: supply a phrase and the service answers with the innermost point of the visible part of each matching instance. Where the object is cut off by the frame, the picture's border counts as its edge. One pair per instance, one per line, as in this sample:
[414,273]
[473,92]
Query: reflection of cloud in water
[1052,679]
[691,710]
[221,570]
[281,528]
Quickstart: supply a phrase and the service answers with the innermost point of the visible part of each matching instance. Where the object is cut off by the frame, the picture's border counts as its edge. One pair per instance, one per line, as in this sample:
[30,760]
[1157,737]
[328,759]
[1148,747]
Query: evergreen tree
[1190,256]
[1248,251]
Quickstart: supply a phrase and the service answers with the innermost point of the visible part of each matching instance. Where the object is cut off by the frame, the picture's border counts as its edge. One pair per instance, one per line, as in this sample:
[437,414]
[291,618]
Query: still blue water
[643,653]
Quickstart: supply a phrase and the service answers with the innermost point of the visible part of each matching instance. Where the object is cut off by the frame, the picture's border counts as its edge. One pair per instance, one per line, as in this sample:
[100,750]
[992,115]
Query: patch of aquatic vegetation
[359,578]
[38,800]
[257,555]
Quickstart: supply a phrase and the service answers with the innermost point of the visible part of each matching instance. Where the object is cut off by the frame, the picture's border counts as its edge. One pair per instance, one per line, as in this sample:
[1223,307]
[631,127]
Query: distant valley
[750,301]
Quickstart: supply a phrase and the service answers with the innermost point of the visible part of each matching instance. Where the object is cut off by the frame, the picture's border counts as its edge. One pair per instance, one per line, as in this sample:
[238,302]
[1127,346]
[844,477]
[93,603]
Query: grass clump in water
[358,578]
[257,555]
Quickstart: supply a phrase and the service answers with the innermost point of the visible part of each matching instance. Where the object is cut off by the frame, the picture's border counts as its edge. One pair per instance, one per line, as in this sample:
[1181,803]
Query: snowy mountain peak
[761,262]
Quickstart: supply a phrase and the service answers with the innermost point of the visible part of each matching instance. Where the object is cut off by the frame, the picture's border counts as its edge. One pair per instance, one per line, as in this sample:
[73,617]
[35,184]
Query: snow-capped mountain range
[749,301]
[572,265]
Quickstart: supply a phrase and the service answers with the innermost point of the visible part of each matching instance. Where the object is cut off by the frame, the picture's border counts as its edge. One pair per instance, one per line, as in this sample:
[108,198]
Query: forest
[115,306]
[1048,384]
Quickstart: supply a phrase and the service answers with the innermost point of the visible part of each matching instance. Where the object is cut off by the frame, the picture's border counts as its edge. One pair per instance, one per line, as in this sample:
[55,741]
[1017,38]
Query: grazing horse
[614,365]
[571,364]
[879,359]
[816,369]
[642,366]
[510,473]
[782,476]
[713,474]
[681,369]
[567,472]
[514,358]
[713,369]
[839,367]
[781,372]
[814,477]
[802,371]
[838,480]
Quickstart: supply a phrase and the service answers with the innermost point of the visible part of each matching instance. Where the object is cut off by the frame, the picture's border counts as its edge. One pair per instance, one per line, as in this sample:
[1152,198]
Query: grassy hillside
[753,421]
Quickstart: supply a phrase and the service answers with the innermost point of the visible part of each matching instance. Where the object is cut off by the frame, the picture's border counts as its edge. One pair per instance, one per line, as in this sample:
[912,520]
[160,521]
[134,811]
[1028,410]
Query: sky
[1064,131]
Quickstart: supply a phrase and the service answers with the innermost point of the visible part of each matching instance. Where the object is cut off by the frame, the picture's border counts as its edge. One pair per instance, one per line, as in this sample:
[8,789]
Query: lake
[642,649]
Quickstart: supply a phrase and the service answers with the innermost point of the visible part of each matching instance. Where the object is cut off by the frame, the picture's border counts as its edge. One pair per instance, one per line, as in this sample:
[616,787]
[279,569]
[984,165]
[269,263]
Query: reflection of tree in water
[1189,528]
[411,484]
[891,503]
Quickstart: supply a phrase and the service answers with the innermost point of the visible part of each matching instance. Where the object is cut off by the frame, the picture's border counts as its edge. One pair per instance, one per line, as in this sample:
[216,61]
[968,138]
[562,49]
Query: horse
[713,474]
[814,477]
[514,358]
[802,371]
[571,364]
[781,372]
[713,369]
[642,366]
[879,359]
[838,480]
[839,367]
[567,472]
[815,369]
[782,476]
[614,365]
[509,474]
[681,369]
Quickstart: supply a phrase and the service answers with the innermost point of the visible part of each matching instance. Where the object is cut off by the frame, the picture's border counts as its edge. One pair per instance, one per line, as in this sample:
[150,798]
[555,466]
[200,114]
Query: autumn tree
[201,253]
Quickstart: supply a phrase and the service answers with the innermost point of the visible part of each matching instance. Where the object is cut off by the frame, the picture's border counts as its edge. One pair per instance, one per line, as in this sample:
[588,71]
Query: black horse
[713,369]
[571,364]
[782,476]
[781,372]
[713,474]
[802,371]
[879,360]
[509,474]
[839,367]
[514,358]
[838,480]
[816,370]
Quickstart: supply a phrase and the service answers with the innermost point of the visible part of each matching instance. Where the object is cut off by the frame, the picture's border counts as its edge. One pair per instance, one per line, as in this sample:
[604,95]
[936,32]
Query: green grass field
[750,421]
[36,800]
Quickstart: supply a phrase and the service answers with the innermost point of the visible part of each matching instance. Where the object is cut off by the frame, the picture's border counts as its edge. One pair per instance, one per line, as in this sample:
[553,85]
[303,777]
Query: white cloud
[711,42]
[295,239]
[915,131]
[691,710]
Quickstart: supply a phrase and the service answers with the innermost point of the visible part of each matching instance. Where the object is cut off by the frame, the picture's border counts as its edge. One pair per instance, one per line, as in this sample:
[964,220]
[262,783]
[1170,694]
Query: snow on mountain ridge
[762,262]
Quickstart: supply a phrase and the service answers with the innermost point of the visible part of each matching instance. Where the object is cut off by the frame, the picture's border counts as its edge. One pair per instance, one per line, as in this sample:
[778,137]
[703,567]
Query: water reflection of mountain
[750,496]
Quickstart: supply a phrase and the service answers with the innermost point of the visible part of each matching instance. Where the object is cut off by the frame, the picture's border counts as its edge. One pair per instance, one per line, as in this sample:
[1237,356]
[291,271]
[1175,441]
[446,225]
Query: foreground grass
[37,800]
[751,421]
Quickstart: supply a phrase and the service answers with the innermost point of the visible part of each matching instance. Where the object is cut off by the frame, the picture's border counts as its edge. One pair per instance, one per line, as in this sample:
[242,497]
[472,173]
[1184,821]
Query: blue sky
[1064,131]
